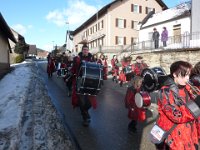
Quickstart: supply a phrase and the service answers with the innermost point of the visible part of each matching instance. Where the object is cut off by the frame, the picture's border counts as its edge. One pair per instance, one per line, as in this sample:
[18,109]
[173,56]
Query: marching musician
[85,102]
[123,76]
[50,66]
[103,60]
[135,114]
[175,117]
[139,66]
[115,67]
[195,75]
[195,80]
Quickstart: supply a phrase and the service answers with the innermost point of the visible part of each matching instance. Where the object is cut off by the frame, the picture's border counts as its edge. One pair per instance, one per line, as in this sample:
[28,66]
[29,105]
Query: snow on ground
[28,120]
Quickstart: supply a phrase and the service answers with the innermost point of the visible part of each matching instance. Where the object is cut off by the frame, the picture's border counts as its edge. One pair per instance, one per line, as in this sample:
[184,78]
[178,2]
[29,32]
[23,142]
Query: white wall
[185,27]
[195,15]
[4,58]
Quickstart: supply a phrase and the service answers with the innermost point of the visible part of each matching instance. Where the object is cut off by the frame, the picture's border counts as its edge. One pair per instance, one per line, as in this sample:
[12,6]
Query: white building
[195,15]
[114,27]
[177,20]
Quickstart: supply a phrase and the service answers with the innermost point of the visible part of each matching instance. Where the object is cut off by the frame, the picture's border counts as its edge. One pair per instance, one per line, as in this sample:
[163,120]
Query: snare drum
[142,99]
[127,70]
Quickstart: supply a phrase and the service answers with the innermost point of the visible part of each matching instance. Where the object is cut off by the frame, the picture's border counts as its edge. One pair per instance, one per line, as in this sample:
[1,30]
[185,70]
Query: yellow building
[115,26]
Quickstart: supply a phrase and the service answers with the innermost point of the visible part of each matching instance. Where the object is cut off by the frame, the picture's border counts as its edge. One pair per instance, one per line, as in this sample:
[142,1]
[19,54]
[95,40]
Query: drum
[63,72]
[153,78]
[127,70]
[142,99]
[89,79]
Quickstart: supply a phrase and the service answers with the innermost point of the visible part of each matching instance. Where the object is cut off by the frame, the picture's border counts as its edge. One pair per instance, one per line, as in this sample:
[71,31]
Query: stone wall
[165,58]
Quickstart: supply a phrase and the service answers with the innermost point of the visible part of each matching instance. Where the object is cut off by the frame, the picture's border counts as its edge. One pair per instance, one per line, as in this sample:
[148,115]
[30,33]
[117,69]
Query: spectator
[155,38]
[164,36]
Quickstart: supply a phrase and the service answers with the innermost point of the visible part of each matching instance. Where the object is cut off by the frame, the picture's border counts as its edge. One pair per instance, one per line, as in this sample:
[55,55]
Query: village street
[35,117]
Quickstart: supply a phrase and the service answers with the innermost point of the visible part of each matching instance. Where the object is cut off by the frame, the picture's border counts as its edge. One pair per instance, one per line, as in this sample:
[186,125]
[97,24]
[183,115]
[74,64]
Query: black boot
[113,79]
[86,118]
[132,126]
[121,83]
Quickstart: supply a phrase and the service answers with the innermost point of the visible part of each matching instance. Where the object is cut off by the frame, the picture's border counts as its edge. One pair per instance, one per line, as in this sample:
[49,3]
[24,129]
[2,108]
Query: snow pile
[28,120]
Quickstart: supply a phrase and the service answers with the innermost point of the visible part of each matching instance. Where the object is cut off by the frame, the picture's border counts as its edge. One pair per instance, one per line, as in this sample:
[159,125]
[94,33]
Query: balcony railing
[174,42]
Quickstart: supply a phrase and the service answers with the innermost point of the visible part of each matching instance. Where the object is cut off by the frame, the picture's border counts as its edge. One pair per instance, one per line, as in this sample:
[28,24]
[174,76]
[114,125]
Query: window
[134,25]
[120,40]
[148,10]
[133,40]
[102,24]
[136,8]
[96,28]
[120,23]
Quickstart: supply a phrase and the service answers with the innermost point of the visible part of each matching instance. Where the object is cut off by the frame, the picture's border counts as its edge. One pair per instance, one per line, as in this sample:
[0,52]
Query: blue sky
[43,22]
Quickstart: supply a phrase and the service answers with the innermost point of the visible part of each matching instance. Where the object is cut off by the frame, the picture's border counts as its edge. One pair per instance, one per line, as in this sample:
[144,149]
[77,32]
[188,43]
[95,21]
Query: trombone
[194,91]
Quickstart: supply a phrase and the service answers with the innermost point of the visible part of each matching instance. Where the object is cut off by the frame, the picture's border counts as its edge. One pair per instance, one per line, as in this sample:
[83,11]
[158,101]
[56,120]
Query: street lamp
[67,34]
[53,45]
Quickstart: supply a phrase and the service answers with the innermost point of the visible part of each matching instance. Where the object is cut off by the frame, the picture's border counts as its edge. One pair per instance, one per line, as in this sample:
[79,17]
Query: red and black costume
[172,110]
[134,113]
[105,69]
[83,101]
[50,67]
[138,68]
[115,68]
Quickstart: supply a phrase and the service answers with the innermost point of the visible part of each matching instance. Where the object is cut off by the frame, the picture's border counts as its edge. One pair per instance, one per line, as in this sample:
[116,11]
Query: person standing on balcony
[164,36]
[155,38]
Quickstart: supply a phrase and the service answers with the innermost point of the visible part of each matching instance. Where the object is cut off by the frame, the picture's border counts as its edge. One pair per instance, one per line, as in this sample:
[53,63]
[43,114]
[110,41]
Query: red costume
[138,68]
[50,67]
[134,113]
[105,69]
[115,67]
[172,110]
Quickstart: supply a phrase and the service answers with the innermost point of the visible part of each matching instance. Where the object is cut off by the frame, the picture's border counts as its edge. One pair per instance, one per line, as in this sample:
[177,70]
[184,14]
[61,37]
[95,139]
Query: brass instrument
[194,91]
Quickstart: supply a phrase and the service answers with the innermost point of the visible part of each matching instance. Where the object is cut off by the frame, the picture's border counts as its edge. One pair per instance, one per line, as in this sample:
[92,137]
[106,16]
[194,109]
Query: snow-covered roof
[168,14]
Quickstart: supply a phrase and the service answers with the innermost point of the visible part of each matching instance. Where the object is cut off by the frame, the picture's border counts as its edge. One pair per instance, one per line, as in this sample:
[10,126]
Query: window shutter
[116,23]
[132,24]
[102,24]
[146,10]
[124,40]
[154,10]
[140,9]
[116,40]
[124,23]
[131,7]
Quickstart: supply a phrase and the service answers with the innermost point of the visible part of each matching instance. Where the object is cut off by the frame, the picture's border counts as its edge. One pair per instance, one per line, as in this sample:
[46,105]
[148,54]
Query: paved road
[108,127]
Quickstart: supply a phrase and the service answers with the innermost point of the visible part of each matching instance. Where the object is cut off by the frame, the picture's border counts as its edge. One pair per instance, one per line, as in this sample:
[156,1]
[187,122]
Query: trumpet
[194,91]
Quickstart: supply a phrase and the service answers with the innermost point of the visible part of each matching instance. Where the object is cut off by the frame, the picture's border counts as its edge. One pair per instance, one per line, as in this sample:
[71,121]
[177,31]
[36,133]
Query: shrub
[19,59]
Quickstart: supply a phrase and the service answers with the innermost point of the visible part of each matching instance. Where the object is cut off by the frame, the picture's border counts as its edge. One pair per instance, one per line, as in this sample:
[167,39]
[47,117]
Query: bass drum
[89,79]
[142,99]
[153,78]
